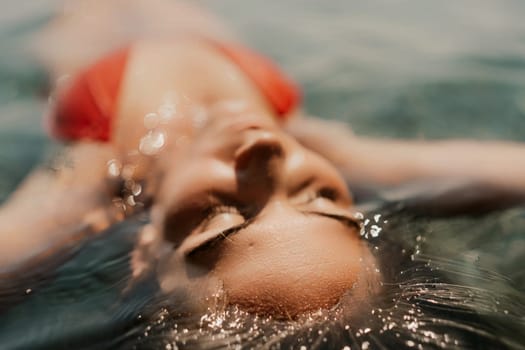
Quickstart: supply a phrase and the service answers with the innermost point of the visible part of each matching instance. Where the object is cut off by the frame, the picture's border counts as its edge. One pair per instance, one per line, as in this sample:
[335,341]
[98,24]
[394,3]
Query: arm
[88,29]
[391,162]
[52,206]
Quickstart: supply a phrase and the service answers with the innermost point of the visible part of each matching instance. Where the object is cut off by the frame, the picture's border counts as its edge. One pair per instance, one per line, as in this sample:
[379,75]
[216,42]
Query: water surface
[412,69]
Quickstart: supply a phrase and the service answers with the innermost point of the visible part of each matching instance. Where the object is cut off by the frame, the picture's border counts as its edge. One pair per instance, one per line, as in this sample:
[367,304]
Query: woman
[240,152]
[193,133]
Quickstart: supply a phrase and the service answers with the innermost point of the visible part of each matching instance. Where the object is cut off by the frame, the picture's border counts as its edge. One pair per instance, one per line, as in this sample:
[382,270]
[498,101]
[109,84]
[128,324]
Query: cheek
[290,274]
[187,174]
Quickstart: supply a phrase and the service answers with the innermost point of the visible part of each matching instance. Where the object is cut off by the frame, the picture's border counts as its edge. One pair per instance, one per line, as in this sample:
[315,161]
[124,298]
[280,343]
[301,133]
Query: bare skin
[86,30]
[235,168]
[214,79]
[391,162]
[269,220]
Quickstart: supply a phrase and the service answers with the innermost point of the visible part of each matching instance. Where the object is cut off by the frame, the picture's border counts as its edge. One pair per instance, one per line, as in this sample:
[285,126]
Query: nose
[260,157]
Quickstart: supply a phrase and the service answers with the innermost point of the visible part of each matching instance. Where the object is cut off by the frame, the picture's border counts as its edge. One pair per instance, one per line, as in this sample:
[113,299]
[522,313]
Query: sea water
[412,69]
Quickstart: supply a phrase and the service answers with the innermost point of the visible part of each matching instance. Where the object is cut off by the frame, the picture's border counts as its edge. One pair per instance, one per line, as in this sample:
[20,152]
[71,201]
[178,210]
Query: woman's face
[251,212]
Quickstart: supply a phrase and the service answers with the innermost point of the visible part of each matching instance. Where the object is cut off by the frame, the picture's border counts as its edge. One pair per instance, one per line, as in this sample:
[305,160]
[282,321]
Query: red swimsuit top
[87,108]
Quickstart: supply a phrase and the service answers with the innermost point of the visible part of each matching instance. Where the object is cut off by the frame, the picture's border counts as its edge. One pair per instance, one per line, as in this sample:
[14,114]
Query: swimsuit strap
[86,109]
[282,93]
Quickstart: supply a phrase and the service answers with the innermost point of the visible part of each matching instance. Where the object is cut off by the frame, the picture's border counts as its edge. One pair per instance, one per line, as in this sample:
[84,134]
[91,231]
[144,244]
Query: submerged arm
[52,206]
[390,162]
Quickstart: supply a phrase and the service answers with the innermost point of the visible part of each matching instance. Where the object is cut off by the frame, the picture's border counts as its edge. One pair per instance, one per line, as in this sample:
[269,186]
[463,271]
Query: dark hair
[429,299]
[436,293]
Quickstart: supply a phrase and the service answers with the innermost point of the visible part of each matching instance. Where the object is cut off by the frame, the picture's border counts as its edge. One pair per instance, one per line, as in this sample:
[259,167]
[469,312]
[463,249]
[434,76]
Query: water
[399,68]
[390,68]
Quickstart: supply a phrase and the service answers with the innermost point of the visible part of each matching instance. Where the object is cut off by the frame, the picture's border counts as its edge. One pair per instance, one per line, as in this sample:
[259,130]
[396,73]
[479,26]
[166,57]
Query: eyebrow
[345,220]
[223,235]
[219,237]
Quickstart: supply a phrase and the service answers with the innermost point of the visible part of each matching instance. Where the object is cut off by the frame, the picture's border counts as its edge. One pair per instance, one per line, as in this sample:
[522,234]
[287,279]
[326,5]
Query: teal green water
[390,68]
[399,68]
[411,69]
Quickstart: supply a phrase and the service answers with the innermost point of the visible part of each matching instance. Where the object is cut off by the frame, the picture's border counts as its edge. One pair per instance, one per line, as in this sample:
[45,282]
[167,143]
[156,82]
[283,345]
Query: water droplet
[151,121]
[412,326]
[365,345]
[377,217]
[346,347]
[28,291]
[131,201]
[152,142]
[136,189]
[166,111]
[114,167]
[375,230]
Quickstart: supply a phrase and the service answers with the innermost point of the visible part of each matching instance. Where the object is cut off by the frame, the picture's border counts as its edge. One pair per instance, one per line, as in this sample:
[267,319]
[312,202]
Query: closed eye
[221,215]
[201,212]
[216,239]
[223,235]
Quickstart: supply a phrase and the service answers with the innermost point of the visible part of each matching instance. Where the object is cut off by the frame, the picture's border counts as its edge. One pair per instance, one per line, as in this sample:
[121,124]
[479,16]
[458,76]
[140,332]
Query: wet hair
[430,299]
[440,290]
